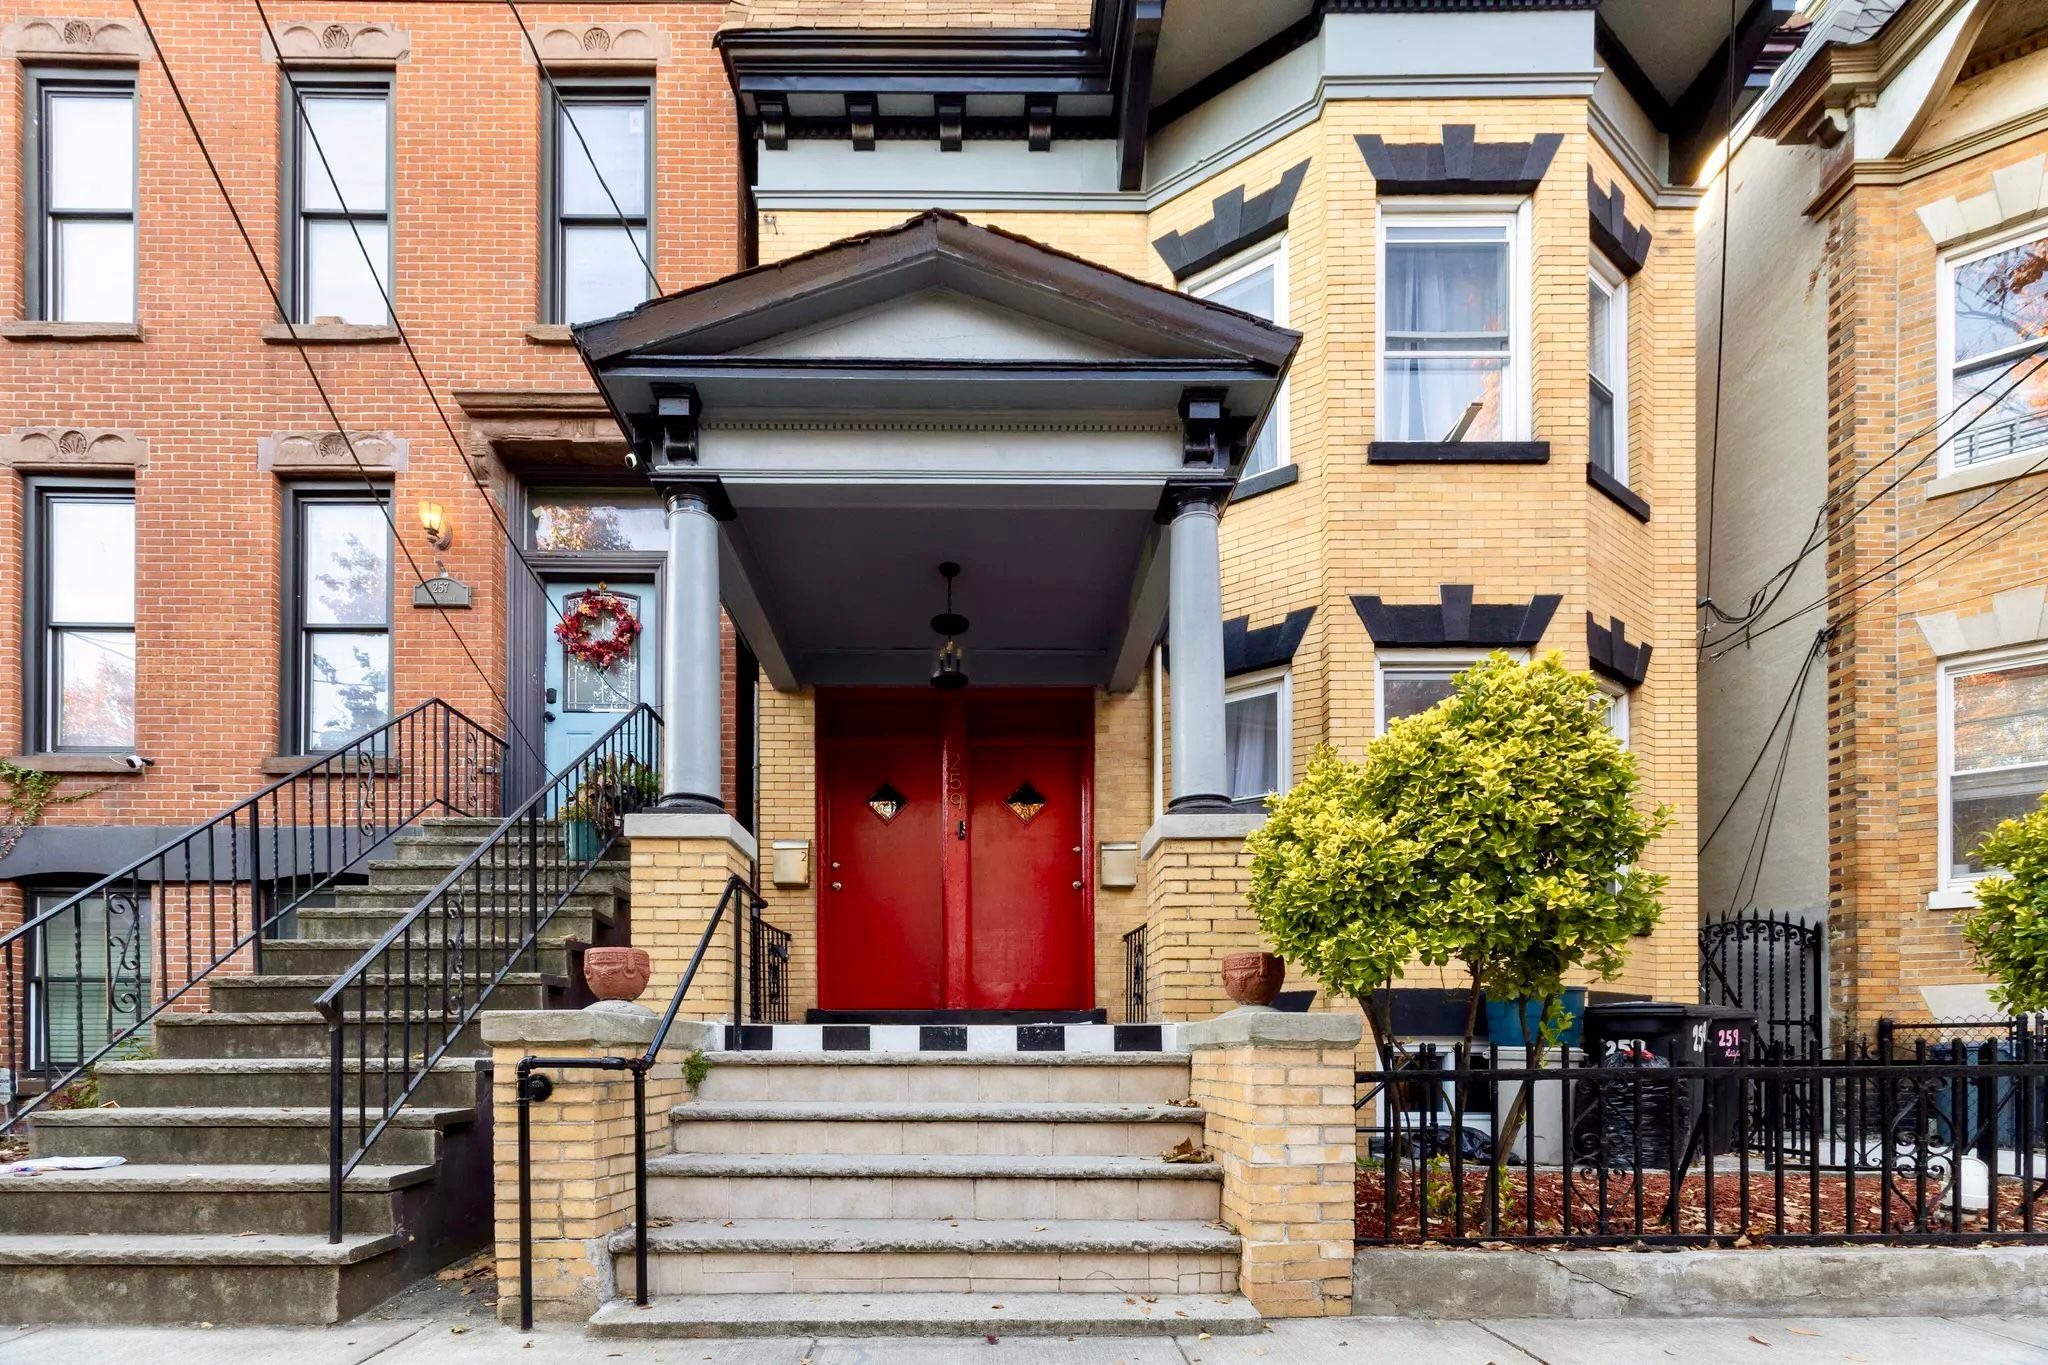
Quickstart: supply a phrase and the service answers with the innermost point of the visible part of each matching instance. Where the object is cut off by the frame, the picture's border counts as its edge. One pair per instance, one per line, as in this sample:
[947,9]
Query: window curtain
[1251,736]
[1444,296]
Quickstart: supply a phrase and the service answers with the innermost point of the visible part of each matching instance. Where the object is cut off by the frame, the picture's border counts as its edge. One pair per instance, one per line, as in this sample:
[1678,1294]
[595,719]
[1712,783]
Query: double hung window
[1451,327]
[339,650]
[599,153]
[1997,325]
[339,191]
[1994,752]
[81,179]
[1256,722]
[82,649]
[1607,373]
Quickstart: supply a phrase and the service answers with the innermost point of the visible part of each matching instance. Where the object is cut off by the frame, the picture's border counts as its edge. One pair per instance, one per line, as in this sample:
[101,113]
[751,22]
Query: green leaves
[1497,831]
[2008,932]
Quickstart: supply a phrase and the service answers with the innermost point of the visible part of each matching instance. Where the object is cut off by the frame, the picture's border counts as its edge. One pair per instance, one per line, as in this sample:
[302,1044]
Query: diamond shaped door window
[887,802]
[1025,802]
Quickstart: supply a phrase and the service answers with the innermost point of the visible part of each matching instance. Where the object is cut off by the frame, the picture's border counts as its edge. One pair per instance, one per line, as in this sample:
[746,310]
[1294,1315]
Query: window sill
[103,765]
[1952,898]
[549,334]
[1266,481]
[328,333]
[71,331]
[1991,471]
[283,765]
[1619,491]
[1458,452]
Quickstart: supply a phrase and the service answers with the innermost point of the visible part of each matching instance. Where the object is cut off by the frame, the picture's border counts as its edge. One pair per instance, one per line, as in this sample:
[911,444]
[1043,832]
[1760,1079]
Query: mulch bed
[1619,1202]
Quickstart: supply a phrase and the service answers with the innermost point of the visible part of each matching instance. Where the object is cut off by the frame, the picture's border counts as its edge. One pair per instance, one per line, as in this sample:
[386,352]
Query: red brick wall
[202,387]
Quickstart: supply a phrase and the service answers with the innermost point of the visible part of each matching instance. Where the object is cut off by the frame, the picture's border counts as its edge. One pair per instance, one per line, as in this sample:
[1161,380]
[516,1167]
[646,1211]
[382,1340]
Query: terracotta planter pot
[1253,978]
[616,973]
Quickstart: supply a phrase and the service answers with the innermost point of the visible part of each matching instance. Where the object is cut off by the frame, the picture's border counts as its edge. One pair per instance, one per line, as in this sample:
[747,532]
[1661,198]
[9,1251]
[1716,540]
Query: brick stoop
[933,1194]
[219,1213]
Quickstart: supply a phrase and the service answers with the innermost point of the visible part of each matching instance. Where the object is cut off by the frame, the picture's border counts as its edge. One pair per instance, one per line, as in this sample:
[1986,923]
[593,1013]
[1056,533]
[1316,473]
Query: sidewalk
[446,1339]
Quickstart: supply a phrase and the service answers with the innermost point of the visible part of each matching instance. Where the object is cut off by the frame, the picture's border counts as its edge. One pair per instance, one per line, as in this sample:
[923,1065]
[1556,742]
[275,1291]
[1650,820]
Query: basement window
[80,189]
[338,196]
[599,163]
[90,976]
[1994,752]
[1996,344]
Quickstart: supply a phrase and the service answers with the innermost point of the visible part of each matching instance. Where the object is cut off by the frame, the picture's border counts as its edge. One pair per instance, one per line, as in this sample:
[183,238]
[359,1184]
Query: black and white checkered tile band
[968,1038]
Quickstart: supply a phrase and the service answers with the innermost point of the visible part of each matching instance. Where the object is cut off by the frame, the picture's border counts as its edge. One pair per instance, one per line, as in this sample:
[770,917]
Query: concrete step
[330,957]
[202,1136]
[272,1081]
[883,1255]
[209,1199]
[447,848]
[363,918]
[217,1278]
[303,1033]
[418,874]
[927,1315]
[471,827]
[855,1127]
[272,991]
[940,1077]
[695,1185]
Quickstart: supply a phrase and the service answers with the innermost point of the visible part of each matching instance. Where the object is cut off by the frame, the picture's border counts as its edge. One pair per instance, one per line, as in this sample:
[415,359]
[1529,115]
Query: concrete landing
[927,1315]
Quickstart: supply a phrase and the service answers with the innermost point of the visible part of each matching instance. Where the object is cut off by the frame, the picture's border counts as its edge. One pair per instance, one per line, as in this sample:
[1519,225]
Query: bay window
[1994,749]
[1256,283]
[1607,373]
[1452,319]
[1256,725]
[1996,323]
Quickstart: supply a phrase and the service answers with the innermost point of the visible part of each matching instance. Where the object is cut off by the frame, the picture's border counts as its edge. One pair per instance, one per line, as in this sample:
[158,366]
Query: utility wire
[1814,652]
[1755,859]
[305,358]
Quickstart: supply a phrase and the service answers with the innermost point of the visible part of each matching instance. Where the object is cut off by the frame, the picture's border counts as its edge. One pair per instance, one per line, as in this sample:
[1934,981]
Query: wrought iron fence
[405,1002]
[86,976]
[533,1086]
[1774,966]
[1943,1143]
[767,968]
[1136,1009]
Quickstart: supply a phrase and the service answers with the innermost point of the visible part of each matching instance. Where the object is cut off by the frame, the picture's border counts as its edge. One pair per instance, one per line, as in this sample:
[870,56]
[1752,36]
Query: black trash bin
[1677,1036]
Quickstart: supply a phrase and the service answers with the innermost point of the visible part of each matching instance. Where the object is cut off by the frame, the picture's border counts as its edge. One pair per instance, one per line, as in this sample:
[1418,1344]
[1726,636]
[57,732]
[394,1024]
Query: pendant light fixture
[949,673]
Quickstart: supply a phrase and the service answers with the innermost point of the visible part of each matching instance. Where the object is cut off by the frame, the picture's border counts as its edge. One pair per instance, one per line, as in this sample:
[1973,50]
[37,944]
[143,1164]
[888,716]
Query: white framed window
[1607,370]
[1993,325]
[1407,682]
[1258,733]
[1617,713]
[1255,282]
[1453,321]
[1994,751]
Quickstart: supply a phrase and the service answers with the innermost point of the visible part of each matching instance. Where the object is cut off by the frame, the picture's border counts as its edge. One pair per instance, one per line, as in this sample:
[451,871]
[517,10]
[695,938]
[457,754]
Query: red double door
[953,871]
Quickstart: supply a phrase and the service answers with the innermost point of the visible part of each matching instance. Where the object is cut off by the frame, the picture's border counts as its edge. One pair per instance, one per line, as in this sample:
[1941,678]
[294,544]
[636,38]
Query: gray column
[692,686]
[1194,632]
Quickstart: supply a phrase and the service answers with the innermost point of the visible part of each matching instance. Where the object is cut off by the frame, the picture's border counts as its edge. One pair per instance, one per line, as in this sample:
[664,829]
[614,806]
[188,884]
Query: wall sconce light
[434,521]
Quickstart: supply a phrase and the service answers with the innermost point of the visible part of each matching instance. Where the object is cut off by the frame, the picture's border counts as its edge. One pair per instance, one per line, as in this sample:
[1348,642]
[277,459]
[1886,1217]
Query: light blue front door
[583,701]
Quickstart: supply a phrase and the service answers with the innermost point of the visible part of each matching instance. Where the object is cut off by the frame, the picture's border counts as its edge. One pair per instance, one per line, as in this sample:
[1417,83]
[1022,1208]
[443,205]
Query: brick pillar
[1194,876]
[1277,1091]
[681,864]
[582,1146]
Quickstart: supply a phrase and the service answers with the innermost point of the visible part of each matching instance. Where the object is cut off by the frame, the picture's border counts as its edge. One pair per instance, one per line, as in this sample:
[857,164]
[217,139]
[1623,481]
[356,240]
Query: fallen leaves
[1186,1152]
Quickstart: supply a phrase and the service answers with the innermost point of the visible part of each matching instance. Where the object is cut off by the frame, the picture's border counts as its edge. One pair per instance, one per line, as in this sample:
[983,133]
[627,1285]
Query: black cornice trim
[1249,651]
[1456,621]
[1265,481]
[1631,501]
[1235,224]
[1458,164]
[1612,656]
[1133,49]
[1458,452]
[1449,6]
[1620,241]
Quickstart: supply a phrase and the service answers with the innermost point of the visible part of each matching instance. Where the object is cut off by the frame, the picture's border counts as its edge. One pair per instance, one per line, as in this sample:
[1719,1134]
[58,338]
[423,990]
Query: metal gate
[1773,965]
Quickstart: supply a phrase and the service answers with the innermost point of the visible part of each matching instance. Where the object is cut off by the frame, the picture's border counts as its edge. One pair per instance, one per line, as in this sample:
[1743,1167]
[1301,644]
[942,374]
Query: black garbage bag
[1621,1122]
[1434,1141]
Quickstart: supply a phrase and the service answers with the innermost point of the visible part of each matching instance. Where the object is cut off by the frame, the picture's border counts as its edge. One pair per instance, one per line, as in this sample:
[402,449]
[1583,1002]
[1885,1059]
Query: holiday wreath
[577,628]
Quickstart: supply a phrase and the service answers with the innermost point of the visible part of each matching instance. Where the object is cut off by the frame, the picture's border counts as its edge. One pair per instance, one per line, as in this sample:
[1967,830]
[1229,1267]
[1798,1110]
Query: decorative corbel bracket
[773,111]
[677,413]
[952,111]
[1205,434]
[860,121]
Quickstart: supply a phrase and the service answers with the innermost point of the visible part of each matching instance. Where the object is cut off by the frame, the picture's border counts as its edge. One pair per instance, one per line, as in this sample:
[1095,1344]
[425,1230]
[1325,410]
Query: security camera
[136,763]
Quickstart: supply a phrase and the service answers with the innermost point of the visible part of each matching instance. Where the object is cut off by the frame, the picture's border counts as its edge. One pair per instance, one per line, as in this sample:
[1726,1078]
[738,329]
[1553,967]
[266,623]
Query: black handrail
[228,884]
[492,906]
[532,1087]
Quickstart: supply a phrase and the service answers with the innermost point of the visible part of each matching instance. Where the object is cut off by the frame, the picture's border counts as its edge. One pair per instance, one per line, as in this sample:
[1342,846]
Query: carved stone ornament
[325,452]
[111,39]
[33,448]
[333,43]
[596,45]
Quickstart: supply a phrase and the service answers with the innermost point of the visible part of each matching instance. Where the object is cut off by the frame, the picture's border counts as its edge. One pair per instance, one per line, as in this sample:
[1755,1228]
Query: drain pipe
[1158,731]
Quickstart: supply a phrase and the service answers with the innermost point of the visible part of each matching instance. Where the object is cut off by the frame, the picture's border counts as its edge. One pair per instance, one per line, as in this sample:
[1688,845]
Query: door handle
[835,886]
[547,717]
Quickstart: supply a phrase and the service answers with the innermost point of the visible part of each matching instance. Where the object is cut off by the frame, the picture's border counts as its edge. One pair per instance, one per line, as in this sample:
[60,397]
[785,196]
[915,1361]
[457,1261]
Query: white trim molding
[2018,192]
[2015,618]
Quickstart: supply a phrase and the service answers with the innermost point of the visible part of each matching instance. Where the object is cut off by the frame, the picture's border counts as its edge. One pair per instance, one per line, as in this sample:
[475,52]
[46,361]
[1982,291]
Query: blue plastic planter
[1514,1023]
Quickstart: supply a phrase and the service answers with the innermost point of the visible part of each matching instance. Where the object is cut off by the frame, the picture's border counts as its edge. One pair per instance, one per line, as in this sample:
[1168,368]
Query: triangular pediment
[937,288]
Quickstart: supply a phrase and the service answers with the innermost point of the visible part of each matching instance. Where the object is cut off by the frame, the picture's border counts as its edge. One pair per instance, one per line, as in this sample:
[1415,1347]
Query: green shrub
[2008,932]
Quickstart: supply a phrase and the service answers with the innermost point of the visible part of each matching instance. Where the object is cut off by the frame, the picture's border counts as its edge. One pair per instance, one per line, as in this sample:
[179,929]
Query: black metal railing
[1772,965]
[767,968]
[408,998]
[1135,1007]
[533,1086]
[83,978]
[1943,1144]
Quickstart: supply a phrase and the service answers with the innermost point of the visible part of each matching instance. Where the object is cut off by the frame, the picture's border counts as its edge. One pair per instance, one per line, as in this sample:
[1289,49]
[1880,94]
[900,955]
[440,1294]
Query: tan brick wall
[1280,1123]
[789,811]
[677,883]
[1195,912]
[581,1174]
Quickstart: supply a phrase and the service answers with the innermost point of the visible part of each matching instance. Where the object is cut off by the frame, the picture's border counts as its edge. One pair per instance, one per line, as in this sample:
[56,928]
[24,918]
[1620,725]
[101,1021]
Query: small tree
[2008,932]
[1496,831]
